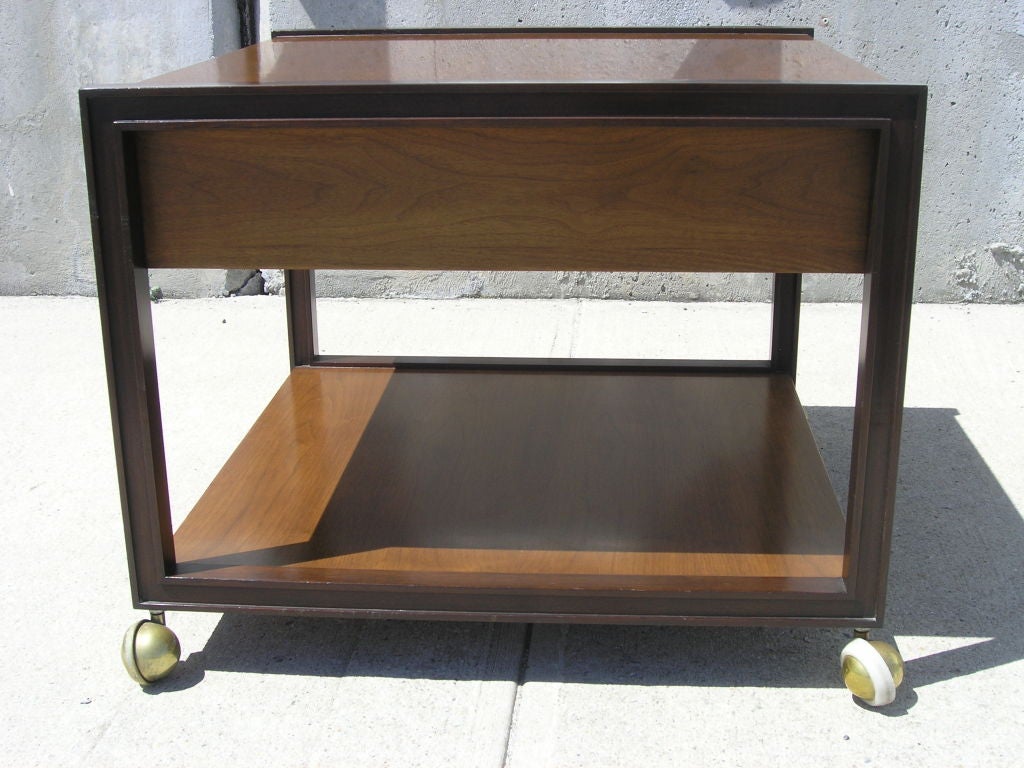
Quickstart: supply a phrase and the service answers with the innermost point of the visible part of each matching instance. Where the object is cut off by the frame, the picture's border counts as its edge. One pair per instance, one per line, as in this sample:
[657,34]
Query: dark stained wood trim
[370,122]
[785,323]
[832,609]
[509,100]
[551,32]
[129,347]
[888,295]
[300,302]
[548,364]
[875,257]
[301,607]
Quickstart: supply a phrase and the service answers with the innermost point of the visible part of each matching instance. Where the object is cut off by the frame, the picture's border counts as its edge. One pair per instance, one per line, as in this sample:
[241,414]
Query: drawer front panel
[608,196]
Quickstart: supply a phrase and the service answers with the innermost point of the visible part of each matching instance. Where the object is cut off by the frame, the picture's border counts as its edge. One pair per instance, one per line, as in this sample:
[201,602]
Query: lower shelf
[523,480]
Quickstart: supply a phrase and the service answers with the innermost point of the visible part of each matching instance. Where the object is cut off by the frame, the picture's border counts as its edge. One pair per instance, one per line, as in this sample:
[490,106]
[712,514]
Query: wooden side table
[633,491]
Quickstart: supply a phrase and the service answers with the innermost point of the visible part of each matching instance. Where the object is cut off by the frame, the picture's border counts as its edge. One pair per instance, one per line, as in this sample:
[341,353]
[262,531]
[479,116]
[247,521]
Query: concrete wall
[970,53]
[48,51]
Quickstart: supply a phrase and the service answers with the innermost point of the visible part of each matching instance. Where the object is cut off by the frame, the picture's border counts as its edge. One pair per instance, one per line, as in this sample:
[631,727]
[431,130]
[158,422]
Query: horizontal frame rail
[544,363]
[554,31]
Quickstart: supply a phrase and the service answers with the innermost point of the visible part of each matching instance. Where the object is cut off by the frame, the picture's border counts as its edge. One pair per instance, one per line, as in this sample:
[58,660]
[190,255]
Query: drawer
[595,195]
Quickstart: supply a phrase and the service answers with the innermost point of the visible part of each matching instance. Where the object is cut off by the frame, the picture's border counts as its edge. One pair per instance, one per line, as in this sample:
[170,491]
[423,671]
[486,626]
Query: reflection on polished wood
[278,481]
[524,480]
[594,196]
[586,57]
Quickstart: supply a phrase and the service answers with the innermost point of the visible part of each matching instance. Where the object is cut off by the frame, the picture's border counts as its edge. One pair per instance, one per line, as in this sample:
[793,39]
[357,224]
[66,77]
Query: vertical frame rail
[785,323]
[885,332]
[300,300]
[122,284]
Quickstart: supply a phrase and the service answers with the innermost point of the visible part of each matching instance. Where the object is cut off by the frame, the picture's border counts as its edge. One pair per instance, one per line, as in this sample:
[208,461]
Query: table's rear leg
[300,299]
[785,322]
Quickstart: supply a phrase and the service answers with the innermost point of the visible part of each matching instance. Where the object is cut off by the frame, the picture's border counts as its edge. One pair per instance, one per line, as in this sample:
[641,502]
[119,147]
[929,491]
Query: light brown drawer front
[491,196]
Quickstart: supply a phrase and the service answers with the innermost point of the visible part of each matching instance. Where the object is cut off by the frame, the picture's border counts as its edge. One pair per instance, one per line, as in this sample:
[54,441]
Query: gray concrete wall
[48,51]
[970,53]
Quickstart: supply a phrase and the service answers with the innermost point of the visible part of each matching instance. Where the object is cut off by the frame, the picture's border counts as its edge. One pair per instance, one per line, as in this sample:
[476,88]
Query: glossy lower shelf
[529,481]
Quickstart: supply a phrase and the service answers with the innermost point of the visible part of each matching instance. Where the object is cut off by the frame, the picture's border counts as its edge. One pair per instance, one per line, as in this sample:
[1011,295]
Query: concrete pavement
[285,691]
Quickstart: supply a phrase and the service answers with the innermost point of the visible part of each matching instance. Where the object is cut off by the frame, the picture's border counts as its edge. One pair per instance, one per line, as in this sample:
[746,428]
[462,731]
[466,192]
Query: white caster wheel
[150,651]
[872,670]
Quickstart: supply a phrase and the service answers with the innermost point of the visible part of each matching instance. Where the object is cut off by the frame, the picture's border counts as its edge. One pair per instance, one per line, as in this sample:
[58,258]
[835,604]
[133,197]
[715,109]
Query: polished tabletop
[537,57]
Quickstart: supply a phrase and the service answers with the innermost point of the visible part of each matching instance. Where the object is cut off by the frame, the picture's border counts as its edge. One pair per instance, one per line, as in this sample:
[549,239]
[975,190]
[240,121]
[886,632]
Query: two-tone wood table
[570,490]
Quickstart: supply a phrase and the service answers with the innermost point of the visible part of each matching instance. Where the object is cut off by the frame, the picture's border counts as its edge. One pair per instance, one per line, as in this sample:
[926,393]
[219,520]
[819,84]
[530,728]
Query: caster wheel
[150,651]
[872,670]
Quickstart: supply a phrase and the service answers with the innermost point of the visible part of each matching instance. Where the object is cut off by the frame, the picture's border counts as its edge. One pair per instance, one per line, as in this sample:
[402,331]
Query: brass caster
[872,670]
[150,651]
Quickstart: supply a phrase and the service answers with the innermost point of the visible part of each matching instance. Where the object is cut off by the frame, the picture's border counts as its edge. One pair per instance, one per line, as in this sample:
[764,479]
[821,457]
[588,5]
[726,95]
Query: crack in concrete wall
[1011,259]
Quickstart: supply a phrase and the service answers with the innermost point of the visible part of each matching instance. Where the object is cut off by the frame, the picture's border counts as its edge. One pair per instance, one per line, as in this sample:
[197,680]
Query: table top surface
[561,57]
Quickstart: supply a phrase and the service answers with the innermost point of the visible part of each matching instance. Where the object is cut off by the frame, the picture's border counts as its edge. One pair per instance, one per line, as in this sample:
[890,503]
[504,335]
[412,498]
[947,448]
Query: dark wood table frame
[116,122]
